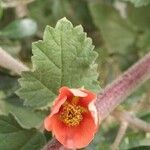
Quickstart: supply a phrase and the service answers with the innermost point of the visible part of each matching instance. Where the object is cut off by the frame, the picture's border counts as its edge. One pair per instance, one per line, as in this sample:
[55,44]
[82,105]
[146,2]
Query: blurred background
[120,30]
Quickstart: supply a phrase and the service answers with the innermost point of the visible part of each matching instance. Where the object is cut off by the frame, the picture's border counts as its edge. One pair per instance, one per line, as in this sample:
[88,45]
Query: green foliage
[134,140]
[50,12]
[144,41]
[65,57]
[8,84]
[61,8]
[10,103]
[145,116]
[104,138]
[25,116]
[41,12]
[140,148]
[1,10]
[139,17]
[138,3]
[14,137]
[117,34]
[78,8]
[19,29]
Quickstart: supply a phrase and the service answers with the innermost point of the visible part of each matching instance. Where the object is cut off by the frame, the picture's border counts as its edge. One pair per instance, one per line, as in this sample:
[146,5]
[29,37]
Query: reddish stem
[54,145]
[121,88]
[116,92]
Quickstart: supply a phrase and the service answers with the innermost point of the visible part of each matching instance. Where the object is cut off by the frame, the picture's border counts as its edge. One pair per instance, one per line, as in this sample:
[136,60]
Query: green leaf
[104,137]
[138,3]
[19,29]
[145,115]
[14,137]
[25,116]
[1,9]
[144,41]
[8,84]
[61,8]
[118,36]
[41,12]
[139,17]
[78,9]
[141,148]
[135,140]
[65,57]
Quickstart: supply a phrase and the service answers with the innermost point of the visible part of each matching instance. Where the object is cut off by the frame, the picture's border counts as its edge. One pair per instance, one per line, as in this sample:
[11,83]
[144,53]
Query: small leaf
[138,3]
[19,29]
[145,116]
[42,12]
[140,148]
[139,17]
[25,116]
[103,138]
[144,41]
[135,140]
[117,34]
[8,84]
[61,8]
[65,57]
[14,137]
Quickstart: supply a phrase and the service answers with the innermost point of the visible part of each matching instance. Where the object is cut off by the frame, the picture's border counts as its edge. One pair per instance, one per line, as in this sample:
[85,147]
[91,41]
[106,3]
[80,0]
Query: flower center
[72,114]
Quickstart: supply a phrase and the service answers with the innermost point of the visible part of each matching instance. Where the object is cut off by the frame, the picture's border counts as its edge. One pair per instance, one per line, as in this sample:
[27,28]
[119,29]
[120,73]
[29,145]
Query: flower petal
[93,111]
[58,102]
[48,123]
[84,101]
[65,91]
[78,93]
[64,94]
[75,137]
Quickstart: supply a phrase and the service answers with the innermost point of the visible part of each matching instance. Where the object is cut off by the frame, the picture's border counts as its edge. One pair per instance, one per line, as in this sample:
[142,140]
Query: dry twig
[125,116]
[120,134]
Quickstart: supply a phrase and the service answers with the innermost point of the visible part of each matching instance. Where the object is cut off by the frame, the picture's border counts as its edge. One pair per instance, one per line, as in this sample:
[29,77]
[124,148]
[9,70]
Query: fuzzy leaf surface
[65,57]
[25,116]
[14,137]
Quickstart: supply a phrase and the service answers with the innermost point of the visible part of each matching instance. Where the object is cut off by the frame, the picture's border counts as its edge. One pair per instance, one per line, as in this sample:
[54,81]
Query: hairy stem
[54,145]
[118,91]
[121,88]
[11,63]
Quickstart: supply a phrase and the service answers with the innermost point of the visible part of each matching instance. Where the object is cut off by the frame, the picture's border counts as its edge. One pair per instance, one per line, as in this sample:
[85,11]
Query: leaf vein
[49,58]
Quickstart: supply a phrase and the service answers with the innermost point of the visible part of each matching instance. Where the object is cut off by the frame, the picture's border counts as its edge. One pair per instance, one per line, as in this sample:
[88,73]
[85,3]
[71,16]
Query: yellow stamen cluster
[72,114]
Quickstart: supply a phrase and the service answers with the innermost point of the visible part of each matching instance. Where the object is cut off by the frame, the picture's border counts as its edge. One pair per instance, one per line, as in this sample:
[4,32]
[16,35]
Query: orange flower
[73,119]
